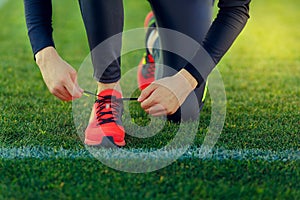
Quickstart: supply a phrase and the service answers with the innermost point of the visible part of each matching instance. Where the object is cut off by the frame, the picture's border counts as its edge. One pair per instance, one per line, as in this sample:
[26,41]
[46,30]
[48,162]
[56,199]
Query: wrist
[45,55]
[188,78]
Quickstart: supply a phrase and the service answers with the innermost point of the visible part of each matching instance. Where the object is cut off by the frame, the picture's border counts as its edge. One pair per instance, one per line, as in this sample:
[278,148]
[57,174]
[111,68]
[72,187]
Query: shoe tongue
[109,92]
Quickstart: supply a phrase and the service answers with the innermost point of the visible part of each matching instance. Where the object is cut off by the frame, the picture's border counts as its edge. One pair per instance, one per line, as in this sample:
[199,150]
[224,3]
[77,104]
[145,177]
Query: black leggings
[104,19]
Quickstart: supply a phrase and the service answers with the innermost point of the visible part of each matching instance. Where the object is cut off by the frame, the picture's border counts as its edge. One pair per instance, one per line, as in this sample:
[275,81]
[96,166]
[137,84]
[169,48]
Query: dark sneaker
[146,72]
[146,68]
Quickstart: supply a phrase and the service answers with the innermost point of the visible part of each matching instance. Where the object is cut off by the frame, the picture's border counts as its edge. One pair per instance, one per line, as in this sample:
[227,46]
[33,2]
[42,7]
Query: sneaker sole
[107,142]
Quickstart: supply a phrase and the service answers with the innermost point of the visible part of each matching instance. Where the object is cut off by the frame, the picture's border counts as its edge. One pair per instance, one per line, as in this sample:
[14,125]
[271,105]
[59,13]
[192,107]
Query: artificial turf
[261,74]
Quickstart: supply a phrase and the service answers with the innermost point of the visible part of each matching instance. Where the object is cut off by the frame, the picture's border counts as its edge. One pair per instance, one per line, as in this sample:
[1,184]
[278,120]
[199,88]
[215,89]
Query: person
[103,19]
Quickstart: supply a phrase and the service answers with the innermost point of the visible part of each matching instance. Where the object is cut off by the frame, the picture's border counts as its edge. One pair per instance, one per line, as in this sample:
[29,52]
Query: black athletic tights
[104,19]
[192,18]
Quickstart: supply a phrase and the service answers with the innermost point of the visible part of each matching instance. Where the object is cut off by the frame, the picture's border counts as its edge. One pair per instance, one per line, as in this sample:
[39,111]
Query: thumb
[147,92]
[77,85]
[77,91]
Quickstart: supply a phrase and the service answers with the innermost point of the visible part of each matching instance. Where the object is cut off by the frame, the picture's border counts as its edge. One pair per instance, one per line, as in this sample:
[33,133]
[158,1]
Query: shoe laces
[149,67]
[108,109]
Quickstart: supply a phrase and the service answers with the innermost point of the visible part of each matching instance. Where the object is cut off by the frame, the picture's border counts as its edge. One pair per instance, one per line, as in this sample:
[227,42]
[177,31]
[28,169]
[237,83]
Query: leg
[102,20]
[193,19]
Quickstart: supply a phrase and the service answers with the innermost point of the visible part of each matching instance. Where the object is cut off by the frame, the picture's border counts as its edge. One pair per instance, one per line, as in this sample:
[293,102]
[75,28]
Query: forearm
[230,21]
[38,14]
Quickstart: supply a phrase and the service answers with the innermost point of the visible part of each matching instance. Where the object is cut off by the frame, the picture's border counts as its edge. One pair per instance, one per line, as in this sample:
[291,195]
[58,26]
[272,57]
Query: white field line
[45,153]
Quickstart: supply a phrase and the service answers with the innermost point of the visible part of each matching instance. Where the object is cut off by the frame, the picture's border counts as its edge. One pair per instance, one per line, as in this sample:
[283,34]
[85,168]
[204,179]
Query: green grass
[261,73]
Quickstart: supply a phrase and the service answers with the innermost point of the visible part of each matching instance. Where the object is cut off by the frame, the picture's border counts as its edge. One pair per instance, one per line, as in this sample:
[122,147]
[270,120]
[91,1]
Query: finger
[73,76]
[150,101]
[62,94]
[159,114]
[61,97]
[147,92]
[79,88]
[72,89]
[157,110]
[68,96]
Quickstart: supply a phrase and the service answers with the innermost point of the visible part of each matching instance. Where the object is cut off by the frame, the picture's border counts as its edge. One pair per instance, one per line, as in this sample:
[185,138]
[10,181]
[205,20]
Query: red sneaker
[105,127]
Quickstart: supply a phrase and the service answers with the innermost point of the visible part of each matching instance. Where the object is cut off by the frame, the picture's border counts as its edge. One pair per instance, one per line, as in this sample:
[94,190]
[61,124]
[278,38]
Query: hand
[59,76]
[165,96]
